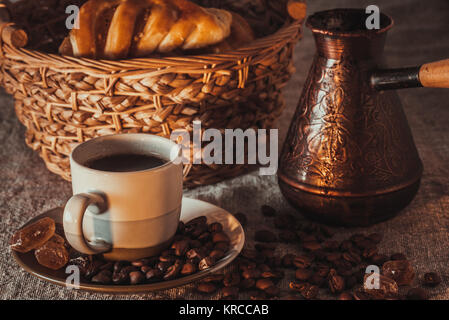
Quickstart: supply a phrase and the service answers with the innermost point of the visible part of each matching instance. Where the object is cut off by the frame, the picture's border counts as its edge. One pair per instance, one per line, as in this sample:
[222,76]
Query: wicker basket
[63,101]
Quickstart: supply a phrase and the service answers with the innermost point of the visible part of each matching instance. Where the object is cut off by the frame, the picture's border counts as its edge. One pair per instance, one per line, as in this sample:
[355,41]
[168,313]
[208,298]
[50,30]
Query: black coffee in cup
[127,162]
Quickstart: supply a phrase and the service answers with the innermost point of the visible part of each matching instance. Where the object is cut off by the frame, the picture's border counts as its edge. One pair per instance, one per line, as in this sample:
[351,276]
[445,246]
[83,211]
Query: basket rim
[215,62]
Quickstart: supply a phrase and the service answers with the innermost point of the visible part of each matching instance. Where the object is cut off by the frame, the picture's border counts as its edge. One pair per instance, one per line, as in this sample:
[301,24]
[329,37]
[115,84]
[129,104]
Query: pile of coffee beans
[196,246]
[319,268]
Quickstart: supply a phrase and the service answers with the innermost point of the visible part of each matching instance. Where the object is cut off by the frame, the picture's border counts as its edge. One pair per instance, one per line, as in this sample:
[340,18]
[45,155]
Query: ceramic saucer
[191,208]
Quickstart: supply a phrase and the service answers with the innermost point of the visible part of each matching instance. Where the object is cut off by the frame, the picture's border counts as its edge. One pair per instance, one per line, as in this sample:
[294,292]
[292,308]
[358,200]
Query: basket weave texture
[64,101]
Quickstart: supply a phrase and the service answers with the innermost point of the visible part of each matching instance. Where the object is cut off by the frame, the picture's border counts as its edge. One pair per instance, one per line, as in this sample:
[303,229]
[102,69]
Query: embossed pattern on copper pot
[349,158]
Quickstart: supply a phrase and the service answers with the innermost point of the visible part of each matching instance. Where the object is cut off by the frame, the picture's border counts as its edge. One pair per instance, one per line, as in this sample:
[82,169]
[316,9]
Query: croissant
[115,29]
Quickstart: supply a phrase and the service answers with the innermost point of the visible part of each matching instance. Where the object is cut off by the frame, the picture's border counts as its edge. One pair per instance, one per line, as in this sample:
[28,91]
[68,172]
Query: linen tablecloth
[421,231]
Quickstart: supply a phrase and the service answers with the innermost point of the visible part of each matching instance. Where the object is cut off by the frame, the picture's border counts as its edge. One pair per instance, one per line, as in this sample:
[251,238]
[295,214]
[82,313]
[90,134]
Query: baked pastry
[115,29]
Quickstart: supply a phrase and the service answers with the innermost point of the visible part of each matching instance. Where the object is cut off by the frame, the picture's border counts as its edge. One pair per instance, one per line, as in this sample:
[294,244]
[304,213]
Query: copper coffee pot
[349,158]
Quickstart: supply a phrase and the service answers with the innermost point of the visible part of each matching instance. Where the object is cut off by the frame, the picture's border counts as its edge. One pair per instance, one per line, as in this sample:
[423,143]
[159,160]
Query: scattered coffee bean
[103,277]
[302,261]
[206,287]
[400,271]
[431,279]
[262,284]
[345,296]
[230,292]
[303,274]
[336,282]
[206,263]
[388,288]
[310,292]
[136,277]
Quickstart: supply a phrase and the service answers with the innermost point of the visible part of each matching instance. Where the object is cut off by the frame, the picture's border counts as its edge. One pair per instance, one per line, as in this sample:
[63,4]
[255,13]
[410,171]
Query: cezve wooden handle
[10,33]
[435,74]
[297,9]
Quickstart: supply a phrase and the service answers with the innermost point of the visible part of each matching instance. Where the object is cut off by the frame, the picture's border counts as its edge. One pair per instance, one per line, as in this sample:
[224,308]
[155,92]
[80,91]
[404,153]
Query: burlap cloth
[421,231]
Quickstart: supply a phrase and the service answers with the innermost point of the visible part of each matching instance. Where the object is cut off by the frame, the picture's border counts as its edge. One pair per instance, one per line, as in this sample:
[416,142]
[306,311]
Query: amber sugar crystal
[33,235]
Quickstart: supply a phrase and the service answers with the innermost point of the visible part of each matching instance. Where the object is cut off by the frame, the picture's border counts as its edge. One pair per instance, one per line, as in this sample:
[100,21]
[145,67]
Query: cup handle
[73,222]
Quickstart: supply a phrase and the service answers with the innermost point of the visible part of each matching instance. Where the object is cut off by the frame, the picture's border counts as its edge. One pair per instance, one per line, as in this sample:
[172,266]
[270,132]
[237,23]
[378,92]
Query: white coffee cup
[124,215]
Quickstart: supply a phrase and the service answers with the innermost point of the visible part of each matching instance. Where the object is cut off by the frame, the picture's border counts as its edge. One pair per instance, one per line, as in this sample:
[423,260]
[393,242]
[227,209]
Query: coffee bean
[310,292]
[387,288]
[431,279]
[214,278]
[303,274]
[188,268]
[303,261]
[206,263]
[197,221]
[417,294]
[262,284]
[220,237]
[360,294]
[230,292]
[136,277]
[173,270]
[118,265]
[268,211]
[336,282]
[103,277]
[217,254]
[265,236]
[297,286]
[311,245]
[206,287]
[400,271]
[180,247]
[195,253]
[163,265]
[272,274]
[345,296]
[352,256]
[142,262]
[120,277]
[333,256]
[241,217]
[153,275]
[222,246]
[215,227]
